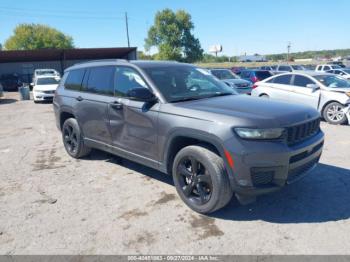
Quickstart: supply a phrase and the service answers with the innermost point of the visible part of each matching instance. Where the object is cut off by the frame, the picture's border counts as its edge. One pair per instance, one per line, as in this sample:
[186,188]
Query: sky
[240,26]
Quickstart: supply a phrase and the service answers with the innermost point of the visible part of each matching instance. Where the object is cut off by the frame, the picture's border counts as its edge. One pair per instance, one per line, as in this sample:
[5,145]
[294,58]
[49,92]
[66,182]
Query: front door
[133,126]
[303,94]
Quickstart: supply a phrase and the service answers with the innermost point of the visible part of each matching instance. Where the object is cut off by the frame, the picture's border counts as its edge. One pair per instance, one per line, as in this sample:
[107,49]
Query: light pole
[288,50]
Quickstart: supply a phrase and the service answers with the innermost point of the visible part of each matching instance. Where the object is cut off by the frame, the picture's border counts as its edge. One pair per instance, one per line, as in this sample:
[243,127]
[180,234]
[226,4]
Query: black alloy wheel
[194,180]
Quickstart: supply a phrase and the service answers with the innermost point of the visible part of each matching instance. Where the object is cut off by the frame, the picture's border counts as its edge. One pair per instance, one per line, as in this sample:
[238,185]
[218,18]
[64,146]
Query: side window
[284,68]
[326,68]
[339,72]
[101,80]
[126,79]
[283,80]
[74,79]
[302,81]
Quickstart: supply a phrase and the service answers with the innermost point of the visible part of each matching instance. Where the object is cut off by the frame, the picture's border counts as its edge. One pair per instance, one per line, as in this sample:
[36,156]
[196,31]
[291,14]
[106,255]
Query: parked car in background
[255,75]
[240,85]
[343,72]
[182,121]
[289,68]
[10,82]
[238,69]
[268,68]
[44,88]
[328,93]
[339,63]
[327,67]
[310,67]
[45,72]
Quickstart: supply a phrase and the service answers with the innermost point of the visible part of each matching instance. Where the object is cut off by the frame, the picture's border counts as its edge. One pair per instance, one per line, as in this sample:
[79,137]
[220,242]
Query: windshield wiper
[200,97]
[219,94]
[187,99]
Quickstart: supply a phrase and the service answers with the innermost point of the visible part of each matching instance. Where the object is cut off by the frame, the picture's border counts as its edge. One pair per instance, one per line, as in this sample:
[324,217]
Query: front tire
[73,139]
[333,114]
[201,180]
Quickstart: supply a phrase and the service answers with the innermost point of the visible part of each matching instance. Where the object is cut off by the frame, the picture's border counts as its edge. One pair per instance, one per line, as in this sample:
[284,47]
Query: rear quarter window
[74,79]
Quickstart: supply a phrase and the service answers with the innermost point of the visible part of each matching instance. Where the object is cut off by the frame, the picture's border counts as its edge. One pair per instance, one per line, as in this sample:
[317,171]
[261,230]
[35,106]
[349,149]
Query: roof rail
[103,60]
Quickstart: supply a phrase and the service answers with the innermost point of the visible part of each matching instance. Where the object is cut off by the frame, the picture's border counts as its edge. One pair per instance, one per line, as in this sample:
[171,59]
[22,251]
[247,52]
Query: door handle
[116,105]
[79,98]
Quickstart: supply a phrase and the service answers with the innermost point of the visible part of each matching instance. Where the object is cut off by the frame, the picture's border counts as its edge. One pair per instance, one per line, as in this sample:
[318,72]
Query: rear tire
[73,139]
[264,96]
[201,180]
[332,114]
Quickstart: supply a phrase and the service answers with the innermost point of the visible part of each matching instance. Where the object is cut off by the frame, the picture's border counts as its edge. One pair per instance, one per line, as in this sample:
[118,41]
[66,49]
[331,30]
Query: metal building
[24,62]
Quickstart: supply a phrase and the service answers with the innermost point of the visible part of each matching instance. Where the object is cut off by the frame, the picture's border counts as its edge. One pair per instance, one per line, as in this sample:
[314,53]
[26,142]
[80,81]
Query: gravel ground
[53,204]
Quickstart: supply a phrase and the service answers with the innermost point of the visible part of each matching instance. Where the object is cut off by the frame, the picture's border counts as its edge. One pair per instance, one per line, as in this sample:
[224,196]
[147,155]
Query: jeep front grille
[299,133]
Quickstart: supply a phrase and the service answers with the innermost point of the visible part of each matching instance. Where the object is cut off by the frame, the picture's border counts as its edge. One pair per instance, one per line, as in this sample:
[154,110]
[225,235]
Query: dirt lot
[53,204]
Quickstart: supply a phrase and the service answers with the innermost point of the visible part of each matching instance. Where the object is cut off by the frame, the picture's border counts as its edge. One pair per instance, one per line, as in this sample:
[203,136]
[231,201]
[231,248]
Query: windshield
[333,81]
[224,74]
[298,67]
[181,83]
[47,81]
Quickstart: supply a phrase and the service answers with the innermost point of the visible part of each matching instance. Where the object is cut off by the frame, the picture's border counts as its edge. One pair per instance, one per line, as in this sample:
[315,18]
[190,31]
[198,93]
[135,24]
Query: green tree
[171,34]
[142,56]
[37,36]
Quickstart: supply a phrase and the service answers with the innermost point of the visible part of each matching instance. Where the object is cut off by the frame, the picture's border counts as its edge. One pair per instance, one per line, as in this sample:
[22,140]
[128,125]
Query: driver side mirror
[314,87]
[141,94]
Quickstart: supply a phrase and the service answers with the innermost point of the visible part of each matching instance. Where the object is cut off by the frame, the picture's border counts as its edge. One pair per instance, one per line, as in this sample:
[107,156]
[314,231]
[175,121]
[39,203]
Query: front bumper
[346,110]
[263,167]
[42,96]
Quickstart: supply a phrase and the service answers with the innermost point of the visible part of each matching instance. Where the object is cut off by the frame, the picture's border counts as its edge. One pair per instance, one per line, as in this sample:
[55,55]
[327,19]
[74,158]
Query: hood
[45,87]
[338,89]
[242,110]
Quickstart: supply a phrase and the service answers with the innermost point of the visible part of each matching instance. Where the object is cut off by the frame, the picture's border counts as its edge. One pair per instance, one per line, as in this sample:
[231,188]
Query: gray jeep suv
[179,119]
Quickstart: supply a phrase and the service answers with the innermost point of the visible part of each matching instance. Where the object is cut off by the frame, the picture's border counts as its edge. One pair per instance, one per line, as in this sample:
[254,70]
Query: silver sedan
[328,93]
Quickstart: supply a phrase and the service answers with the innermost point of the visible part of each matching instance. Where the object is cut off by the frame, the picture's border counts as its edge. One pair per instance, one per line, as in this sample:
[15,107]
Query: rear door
[303,94]
[133,125]
[280,87]
[92,103]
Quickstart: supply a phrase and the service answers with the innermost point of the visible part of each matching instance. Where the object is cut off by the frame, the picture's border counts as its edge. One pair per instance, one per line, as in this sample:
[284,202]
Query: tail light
[254,79]
[254,86]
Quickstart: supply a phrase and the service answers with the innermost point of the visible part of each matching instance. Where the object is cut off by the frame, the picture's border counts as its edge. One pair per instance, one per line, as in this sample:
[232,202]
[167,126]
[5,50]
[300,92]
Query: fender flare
[199,135]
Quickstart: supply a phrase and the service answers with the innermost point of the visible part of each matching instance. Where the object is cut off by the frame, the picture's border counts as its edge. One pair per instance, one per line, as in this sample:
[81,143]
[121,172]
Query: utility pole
[127,28]
[288,50]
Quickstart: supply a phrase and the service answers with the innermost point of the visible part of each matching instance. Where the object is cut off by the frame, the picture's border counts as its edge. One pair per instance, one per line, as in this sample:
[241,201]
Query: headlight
[253,133]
